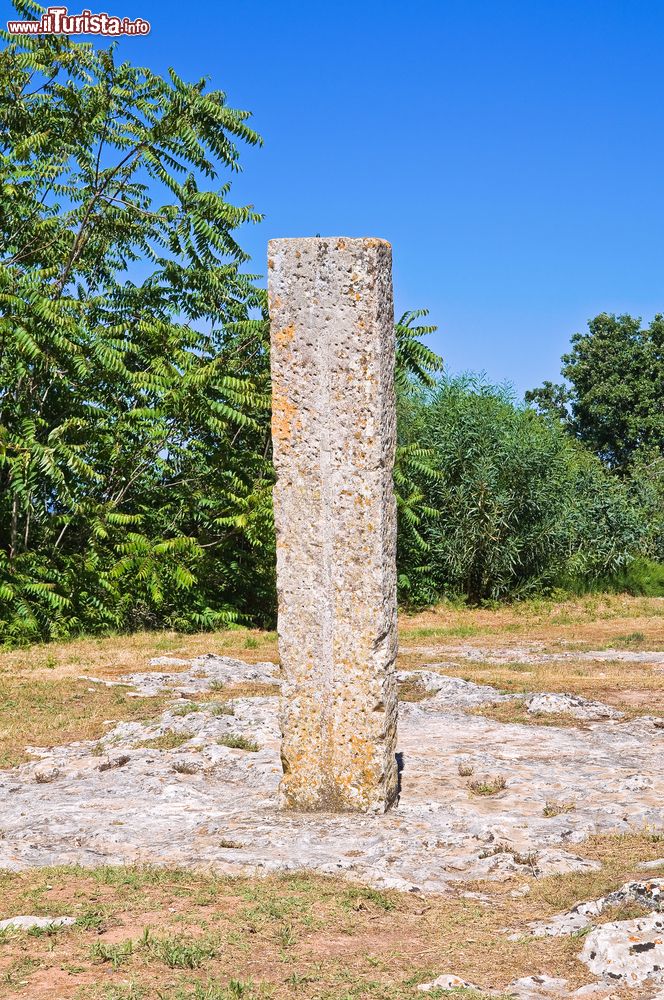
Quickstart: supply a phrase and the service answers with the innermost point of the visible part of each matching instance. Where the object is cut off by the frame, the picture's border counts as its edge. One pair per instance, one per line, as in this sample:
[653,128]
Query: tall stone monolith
[333,433]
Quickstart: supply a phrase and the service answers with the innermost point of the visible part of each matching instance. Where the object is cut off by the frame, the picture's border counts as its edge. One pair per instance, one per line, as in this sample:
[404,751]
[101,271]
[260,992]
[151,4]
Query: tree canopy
[613,395]
[135,457]
[510,504]
[132,374]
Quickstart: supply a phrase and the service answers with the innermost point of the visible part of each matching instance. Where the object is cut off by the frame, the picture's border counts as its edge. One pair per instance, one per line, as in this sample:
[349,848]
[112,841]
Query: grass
[167,741]
[516,712]
[592,622]
[220,708]
[238,743]
[38,712]
[178,952]
[633,639]
[160,934]
[552,809]
[488,785]
[412,690]
[184,767]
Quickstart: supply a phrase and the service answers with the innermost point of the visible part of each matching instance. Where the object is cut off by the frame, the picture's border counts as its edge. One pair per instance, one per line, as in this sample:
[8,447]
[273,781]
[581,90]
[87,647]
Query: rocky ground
[480,798]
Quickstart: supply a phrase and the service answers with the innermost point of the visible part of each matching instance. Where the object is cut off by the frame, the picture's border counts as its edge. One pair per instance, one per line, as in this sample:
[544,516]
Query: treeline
[135,467]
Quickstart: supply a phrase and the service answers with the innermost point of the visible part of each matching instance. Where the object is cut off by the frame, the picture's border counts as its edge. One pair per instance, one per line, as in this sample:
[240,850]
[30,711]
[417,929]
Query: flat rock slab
[629,952]
[649,894]
[527,988]
[179,806]
[571,704]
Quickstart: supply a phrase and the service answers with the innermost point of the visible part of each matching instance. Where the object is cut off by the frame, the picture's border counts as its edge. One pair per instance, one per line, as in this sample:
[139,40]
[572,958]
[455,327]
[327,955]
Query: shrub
[512,504]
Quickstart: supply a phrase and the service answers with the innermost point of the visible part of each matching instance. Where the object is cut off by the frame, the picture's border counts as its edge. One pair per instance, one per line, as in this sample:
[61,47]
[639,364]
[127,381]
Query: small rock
[540,987]
[649,894]
[518,893]
[545,987]
[534,987]
[448,981]
[594,990]
[552,861]
[454,692]
[570,704]
[168,661]
[25,923]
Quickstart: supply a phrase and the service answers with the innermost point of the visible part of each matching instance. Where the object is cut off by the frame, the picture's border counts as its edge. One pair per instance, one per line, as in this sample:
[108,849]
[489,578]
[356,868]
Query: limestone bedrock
[334,438]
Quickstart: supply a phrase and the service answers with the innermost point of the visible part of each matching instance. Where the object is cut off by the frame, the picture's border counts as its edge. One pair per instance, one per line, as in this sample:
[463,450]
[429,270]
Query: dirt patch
[288,937]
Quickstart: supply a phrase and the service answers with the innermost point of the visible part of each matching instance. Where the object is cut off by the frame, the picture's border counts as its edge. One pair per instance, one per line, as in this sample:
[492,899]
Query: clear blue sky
[512,152]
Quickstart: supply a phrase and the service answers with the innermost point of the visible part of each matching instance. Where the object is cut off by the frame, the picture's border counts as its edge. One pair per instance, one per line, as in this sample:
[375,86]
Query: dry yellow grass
[302,937]
[42,701]
[114,655]
[612,621]
[589,622]
[44,713]
[594,621]
[635,688]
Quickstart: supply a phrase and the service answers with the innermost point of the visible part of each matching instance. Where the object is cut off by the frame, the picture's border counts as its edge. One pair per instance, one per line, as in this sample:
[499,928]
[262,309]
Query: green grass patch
[167,741]
[238,743]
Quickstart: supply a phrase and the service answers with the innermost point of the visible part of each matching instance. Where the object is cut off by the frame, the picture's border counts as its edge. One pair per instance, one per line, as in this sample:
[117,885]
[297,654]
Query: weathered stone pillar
[333,433]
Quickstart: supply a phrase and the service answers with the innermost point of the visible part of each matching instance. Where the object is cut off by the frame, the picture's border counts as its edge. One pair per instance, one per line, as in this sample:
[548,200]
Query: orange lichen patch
[284,416]
[270,263]
[284,336]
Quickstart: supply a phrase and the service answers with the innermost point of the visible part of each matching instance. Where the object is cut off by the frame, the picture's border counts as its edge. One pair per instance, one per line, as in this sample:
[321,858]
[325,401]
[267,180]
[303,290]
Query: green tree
[133,379]
[613,396]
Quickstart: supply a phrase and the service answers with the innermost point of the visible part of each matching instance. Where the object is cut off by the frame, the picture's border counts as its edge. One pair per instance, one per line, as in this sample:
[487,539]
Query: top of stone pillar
[344,240]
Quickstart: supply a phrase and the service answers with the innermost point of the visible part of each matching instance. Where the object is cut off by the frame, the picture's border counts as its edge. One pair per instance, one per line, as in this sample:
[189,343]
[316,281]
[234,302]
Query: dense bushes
[514,505]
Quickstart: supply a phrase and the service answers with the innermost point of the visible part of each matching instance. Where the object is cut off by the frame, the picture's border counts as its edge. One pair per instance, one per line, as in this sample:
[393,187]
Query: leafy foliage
[133,412]
[510,504]
[135,472]
[612,402]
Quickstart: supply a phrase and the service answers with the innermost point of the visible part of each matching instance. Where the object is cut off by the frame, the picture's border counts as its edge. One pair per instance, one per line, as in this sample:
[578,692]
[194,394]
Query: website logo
[58,21]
